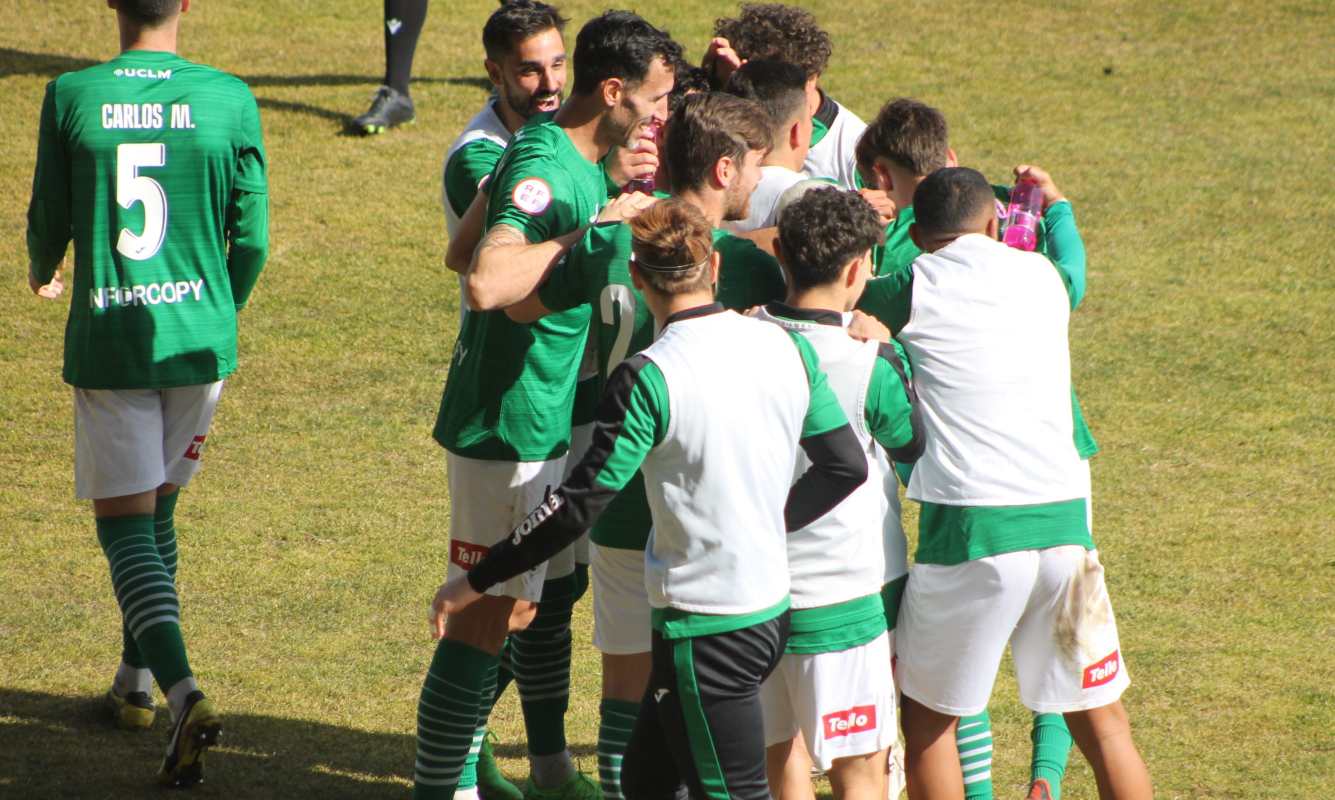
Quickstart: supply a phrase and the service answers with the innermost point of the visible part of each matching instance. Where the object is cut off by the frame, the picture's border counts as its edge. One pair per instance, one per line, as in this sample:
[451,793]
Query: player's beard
[737,205]
[528,105]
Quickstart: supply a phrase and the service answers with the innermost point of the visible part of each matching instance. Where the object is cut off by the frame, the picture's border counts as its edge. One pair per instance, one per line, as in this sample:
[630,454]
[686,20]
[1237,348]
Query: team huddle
[711,321]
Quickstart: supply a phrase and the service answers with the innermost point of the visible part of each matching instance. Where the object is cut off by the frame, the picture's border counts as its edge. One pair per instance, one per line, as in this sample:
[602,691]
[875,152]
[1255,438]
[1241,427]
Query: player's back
[149,148]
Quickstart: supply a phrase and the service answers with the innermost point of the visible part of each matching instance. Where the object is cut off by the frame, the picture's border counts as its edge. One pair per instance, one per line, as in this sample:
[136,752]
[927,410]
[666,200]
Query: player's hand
[50,291]
[454,595]
[867,328]
[1029,172]
[626,163]
[881,201]
[626,206]
[721,60]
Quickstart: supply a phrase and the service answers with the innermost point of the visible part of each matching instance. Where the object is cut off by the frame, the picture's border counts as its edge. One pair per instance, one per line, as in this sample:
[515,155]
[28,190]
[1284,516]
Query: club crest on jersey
[467,555]
[1102,671]
[532,196]
[857,719]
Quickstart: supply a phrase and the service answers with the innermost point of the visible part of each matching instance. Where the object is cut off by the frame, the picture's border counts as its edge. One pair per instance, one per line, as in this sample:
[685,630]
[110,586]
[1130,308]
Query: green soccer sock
[164,535]
[974,738]
[615,722]
[468,778]
[146,594]
[540,657]
[1052,748]
[447,717]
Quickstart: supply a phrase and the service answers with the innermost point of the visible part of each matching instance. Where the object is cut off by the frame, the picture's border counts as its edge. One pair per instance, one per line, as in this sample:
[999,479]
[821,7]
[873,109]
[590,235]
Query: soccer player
[392,105]
[904,143]
[505,416]
[155,168]
[780,88]
[714,145]
[834,686]
[713,413]
[1004,547]
[787,33]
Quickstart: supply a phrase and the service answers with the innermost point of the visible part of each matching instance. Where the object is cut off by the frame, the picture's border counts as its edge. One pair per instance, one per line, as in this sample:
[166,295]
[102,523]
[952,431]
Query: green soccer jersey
[511,386]
[154,167]
[596,272]
[466,168]
[887,297]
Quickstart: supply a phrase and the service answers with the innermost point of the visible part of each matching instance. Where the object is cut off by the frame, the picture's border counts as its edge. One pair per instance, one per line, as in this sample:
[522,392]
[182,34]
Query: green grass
[1195,140]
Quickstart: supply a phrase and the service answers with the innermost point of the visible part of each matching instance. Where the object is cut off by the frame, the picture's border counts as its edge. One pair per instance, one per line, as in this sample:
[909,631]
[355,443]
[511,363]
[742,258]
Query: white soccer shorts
[128,441]
[842,702]
[1051,605]
[487,500]
[621,623]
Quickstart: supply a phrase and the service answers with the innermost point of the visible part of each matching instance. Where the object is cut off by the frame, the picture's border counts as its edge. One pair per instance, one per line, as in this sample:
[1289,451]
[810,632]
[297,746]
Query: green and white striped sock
[615,722]
[164,536]
[146,594]
[974,738]
[487,699]
[447,717]
[540,658]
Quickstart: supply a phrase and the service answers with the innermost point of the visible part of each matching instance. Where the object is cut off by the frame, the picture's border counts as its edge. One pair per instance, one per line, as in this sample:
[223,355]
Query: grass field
[1196,142]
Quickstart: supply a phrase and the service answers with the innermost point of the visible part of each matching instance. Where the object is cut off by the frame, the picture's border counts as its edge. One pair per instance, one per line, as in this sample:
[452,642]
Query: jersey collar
[820,316]
[692,313]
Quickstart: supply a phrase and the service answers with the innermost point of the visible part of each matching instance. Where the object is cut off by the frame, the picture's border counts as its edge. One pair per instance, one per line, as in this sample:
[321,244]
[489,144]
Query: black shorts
[700,732]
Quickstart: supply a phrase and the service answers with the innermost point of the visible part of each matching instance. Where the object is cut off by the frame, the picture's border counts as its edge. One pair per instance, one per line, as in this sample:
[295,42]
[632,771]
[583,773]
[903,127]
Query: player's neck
[783,156]
[136,37]
[665,307]
[581,117]
[711,204]
[819,298]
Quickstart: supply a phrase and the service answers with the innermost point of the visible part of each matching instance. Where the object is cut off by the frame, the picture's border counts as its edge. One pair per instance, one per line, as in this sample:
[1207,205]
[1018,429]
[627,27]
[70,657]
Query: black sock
[403,24]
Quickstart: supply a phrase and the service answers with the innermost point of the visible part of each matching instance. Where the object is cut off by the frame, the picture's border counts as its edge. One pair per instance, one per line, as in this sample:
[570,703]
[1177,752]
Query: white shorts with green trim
[128,441]
[1051,605]
[580,438]
[621,621]
[487,500]
[842,702]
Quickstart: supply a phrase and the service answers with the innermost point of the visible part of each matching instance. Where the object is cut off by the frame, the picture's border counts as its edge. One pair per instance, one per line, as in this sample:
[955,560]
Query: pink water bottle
[645,183]
[1022,215]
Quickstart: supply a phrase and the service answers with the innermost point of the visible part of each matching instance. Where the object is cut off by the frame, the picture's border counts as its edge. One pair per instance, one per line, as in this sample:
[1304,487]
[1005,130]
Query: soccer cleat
[579,787]
[491,784]
[133,712]
[1039,790]
[389,109]
[197,729]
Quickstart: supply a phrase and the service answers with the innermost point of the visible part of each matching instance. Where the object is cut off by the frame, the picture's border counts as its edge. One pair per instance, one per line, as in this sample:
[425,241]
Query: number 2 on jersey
[131,188]
[621,299]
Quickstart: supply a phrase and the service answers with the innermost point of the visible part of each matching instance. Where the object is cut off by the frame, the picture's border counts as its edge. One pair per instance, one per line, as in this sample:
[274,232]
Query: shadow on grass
[61,746]
[22,62]
[53,745]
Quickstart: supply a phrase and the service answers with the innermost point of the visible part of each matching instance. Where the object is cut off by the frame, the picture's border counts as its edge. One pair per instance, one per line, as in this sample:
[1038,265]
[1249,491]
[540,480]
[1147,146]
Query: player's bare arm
[506,268]
[459,252]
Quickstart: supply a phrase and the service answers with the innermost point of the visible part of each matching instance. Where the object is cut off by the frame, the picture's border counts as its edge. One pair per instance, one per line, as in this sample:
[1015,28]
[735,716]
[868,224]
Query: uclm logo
[143,72]
[1102,671]
[845,723]
[467,555]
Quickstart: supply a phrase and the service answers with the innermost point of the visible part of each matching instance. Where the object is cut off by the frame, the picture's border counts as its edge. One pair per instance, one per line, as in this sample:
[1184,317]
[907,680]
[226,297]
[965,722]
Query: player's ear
[613,89]
[635,278]
[885,180]
[795,135]
[993,227]
[724,171]
[493,71]
[714,261]
[916,235]
[951,160]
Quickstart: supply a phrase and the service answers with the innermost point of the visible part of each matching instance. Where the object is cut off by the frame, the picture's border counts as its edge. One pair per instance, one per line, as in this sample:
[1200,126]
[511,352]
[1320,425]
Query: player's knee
[625,677]
[522,615]
[482,625]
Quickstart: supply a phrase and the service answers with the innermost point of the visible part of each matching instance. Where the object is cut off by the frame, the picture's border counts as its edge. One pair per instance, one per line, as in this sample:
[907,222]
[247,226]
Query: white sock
[466,794]
[551,771]
[132,679]
[177,694]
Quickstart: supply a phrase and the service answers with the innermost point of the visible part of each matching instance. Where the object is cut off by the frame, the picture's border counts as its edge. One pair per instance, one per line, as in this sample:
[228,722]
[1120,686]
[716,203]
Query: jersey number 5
[131,188]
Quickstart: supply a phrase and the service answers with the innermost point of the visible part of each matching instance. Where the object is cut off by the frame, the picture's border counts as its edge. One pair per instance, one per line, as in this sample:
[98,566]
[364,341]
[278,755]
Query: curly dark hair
[619,44]
[515,21]
[822,231]
[779,33]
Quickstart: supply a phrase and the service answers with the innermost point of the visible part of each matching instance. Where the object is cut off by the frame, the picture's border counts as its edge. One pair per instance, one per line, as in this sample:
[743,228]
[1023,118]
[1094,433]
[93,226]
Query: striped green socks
[164,536]
[540,658]
[447,717]
[146,594]
[1052,747]
[616,721]
[974,738]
